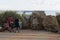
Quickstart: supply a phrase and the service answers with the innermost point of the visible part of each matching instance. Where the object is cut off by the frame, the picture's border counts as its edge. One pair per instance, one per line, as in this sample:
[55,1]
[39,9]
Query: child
[12,24]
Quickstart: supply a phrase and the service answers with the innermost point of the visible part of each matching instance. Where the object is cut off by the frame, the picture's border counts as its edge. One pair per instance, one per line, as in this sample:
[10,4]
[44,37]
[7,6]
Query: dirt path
[29,35]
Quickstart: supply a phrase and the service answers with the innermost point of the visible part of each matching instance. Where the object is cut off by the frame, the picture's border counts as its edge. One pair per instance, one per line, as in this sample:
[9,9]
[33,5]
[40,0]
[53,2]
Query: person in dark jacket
[17,24]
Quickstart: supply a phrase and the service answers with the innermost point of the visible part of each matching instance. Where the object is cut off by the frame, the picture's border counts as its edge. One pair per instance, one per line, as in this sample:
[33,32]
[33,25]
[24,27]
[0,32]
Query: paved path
[29,35]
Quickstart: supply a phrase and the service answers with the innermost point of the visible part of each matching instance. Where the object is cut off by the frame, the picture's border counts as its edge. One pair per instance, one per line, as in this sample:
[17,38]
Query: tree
[58,19]
[6,14]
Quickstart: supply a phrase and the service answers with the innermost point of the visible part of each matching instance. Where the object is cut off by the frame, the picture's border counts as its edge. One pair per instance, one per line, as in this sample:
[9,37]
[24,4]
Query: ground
[29,35]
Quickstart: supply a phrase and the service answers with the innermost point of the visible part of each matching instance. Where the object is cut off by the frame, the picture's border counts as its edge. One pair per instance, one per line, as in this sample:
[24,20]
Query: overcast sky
[31,5]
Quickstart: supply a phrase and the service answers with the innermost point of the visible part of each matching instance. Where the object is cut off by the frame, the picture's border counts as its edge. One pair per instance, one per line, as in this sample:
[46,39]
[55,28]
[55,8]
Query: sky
[31,5]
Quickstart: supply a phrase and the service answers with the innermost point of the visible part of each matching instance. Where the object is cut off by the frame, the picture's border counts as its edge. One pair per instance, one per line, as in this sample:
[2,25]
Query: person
[6,27]
[9,20]
[17,24]
[12,24]
[20,24]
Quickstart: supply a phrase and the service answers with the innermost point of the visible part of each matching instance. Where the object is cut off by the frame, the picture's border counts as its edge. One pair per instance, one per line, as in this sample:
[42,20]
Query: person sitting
[6,27]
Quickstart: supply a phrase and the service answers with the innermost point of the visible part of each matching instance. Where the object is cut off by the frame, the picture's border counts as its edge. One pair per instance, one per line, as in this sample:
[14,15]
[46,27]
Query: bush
[58,19]
[50,23]
[37,19]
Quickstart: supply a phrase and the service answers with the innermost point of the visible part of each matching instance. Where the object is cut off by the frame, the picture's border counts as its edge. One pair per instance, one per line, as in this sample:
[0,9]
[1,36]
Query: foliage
[6,14]
[58,19]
